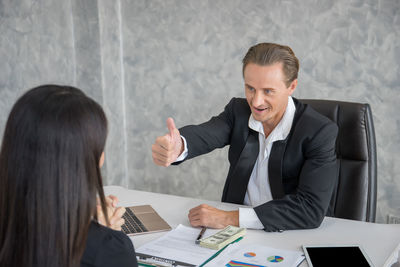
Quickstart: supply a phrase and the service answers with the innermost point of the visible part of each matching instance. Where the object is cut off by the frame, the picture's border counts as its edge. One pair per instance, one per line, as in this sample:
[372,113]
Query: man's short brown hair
[265,54]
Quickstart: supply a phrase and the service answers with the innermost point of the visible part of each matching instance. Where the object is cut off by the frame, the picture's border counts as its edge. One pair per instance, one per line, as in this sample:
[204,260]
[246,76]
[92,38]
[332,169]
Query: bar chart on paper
[237,255]
[233,263]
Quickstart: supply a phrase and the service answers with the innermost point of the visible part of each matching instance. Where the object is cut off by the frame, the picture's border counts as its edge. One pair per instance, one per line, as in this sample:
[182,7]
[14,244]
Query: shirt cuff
[185,151]
[249,219]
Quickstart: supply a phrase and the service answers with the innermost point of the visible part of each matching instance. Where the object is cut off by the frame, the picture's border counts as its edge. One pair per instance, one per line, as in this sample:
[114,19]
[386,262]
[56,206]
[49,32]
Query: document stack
[222,238]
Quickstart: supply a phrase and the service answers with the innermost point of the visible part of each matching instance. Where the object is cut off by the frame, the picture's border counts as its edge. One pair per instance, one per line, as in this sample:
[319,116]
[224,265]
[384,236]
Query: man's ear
[292,86]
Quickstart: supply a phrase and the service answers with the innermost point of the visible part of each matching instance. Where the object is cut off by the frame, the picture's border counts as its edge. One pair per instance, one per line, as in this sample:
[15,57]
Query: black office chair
[355,196]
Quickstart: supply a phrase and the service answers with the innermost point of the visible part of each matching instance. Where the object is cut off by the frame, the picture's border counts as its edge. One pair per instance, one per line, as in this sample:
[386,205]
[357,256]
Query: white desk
[378,240]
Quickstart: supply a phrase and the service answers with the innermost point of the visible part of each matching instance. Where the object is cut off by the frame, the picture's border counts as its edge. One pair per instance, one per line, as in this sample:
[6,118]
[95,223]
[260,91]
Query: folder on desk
[143,219]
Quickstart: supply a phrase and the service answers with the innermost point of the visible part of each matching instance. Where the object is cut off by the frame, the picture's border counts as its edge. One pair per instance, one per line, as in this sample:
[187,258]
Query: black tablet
[336,255]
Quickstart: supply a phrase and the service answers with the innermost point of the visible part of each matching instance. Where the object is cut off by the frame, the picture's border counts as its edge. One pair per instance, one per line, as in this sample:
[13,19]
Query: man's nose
[258,99]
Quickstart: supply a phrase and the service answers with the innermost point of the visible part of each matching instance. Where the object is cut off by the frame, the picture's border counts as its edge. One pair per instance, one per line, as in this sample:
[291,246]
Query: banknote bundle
[223,237]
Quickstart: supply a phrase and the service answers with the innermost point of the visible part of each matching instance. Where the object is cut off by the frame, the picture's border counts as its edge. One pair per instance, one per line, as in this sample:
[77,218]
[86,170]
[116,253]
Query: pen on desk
[203,229]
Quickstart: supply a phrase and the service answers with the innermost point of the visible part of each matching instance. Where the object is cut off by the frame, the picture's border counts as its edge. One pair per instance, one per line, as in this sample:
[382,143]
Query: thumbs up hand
[167,148]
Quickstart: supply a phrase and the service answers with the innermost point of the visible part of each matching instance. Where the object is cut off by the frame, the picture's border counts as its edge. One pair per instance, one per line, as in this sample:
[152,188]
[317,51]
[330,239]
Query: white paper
[257,256]
[394,258]
[178,245]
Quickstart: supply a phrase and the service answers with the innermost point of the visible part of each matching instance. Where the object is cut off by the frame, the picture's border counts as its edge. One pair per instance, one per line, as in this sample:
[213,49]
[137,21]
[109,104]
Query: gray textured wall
[145,60]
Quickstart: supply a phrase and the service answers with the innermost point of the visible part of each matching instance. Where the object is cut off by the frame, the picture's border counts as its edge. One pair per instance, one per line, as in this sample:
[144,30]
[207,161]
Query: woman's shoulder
[107,247]
[99,233]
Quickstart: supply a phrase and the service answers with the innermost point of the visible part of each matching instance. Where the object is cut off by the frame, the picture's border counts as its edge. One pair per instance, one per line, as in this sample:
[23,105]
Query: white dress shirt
[258,189]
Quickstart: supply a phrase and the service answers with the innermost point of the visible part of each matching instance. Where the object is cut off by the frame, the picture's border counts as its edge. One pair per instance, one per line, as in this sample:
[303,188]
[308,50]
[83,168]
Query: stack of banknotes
[223,237]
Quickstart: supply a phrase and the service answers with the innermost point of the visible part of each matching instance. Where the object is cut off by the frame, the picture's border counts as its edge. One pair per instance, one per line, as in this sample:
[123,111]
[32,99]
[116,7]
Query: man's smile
[260,110]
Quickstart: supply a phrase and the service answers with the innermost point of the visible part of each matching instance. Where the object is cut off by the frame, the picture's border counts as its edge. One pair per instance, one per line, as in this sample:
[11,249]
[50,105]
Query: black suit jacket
[302,168]
[106,247]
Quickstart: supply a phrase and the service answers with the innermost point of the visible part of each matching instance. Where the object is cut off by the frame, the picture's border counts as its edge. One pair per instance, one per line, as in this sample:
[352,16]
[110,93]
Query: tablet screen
[335,256]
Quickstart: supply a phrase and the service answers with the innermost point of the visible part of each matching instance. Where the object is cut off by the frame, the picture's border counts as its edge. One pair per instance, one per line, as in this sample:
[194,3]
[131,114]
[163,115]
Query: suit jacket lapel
[275,169]
[239,179]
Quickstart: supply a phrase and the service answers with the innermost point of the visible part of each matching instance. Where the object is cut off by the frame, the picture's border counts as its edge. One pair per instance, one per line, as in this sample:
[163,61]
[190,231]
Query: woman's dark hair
[50,176]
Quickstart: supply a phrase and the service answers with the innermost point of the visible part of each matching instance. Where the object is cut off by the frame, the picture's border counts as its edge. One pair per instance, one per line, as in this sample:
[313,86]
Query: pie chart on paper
[249,254]
[275,259]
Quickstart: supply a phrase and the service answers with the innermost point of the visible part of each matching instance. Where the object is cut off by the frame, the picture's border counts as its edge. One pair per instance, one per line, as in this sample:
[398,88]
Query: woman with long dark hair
[50,161]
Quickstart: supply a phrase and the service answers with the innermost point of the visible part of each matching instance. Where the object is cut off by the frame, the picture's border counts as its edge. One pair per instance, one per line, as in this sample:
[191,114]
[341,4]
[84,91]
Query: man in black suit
[282,152]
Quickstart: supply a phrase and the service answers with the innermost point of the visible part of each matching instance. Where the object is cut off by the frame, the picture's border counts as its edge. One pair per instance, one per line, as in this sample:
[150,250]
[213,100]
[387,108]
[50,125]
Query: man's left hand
[208,216]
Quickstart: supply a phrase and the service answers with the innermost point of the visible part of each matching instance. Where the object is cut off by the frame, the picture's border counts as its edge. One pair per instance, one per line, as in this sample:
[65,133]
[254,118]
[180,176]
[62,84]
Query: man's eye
[250,88]
[267,91]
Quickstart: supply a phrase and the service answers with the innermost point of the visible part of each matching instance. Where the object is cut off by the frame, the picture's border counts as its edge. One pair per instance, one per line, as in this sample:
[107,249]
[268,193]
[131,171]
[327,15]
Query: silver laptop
[143,219]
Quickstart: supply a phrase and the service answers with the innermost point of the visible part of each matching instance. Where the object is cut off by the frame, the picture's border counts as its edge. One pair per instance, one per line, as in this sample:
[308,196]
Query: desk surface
[378,240]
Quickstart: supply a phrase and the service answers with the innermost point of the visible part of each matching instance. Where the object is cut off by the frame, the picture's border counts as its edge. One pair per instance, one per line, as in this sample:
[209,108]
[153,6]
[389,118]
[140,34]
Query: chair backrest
[355,196]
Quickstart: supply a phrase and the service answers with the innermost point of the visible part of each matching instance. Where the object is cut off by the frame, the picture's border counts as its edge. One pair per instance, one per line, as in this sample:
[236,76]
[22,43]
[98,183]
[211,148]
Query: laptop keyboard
[132,223]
